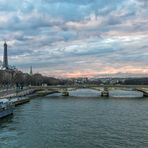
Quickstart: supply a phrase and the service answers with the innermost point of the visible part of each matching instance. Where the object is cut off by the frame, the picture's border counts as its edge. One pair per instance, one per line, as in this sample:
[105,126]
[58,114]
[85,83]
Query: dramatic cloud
[76,38]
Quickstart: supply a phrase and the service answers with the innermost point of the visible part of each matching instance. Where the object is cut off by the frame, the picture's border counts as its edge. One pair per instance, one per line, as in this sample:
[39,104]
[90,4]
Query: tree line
[136,81]
[15,78]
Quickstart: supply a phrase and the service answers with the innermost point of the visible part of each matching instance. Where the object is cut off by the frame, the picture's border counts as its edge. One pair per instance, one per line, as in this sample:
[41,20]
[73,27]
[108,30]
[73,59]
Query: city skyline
[76,38]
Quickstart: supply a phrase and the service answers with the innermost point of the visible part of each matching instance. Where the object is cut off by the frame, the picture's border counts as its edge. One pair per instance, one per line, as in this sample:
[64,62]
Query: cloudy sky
[73,38]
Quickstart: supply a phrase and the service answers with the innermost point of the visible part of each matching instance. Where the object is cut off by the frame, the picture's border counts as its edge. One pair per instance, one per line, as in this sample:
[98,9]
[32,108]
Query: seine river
[82,120]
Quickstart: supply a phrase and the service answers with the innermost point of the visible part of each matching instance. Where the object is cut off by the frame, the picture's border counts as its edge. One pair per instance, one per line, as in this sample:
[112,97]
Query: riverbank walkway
[12,92]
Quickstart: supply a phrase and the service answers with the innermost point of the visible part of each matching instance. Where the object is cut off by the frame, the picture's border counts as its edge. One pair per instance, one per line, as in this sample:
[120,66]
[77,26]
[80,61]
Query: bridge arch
[102,88]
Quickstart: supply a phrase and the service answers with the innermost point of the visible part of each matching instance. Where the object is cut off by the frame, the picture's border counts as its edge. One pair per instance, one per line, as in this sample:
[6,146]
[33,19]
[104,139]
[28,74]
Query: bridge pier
[65,93]
[105,92]
[145,94]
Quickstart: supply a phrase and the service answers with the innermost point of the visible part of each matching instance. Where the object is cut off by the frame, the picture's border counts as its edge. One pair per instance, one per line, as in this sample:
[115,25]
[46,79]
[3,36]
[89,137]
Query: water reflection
[85,93]
[123,93]
[5,121]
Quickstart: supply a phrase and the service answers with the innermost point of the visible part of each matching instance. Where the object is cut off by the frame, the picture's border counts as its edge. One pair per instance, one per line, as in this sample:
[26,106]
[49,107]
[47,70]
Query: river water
[82,120]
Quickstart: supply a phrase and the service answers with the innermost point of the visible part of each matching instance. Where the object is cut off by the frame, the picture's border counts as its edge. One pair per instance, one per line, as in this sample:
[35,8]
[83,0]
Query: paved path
[12,93]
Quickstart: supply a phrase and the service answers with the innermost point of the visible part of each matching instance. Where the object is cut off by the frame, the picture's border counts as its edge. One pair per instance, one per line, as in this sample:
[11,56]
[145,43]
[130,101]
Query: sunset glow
[76,38]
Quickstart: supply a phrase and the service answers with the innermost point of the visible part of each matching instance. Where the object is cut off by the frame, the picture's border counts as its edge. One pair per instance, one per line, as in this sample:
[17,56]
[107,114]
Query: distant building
[80,80]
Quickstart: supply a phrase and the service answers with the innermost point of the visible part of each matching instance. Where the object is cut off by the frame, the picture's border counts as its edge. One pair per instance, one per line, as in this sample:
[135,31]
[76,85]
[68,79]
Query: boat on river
[6,108]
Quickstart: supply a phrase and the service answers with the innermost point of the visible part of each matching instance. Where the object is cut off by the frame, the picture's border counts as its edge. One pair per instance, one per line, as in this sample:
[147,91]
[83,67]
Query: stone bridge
[65,89]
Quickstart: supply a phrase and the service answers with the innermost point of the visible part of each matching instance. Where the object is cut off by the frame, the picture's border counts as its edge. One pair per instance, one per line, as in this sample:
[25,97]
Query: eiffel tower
[5,57]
